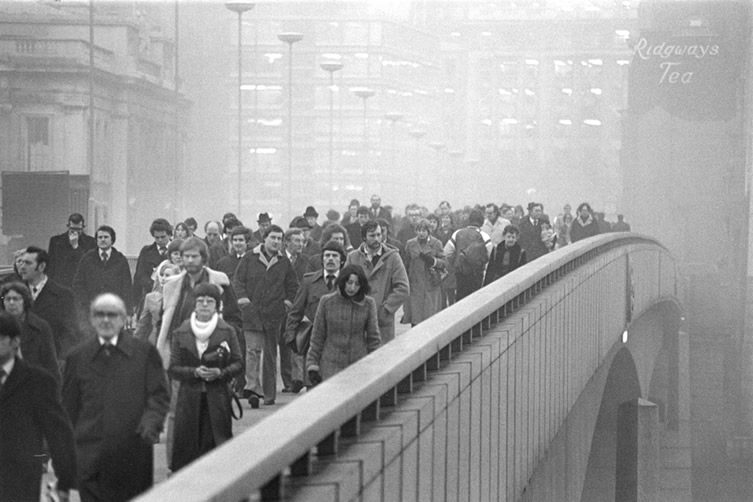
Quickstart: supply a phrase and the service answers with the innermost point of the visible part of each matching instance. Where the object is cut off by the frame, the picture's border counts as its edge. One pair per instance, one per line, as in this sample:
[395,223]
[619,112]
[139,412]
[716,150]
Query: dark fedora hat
[310,211]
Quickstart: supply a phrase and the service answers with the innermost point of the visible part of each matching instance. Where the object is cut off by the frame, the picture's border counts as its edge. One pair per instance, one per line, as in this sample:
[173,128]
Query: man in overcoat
[102,270]
[51,301]
[386,273]
[30,413]
[265,284]
[116,394]
[67,249]
[149,257]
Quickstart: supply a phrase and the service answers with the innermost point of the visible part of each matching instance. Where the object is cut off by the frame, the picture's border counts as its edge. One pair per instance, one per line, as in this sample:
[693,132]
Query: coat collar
[125,345]
[214,340]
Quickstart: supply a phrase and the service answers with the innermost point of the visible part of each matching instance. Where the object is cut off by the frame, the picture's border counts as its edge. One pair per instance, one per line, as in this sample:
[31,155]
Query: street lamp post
[331,67]
[393,117]
[290,38]
[365,93]
[417,135]
[240,8]
[437,146]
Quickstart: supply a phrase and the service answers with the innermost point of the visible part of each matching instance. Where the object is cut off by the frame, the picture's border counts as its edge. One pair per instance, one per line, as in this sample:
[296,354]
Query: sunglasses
[101,314]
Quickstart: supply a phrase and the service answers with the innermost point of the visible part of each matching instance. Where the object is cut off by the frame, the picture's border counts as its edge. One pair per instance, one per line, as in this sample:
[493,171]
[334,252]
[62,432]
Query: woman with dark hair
[37,344]
[345,326]
[181,231]
[205,357]
[584,225]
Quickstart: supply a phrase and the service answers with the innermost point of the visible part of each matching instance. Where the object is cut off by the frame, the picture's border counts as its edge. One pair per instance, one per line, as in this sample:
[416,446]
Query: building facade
[55,95]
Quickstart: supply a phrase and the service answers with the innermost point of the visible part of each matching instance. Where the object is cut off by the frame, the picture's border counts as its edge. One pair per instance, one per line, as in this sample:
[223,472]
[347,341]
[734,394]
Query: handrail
[260,455]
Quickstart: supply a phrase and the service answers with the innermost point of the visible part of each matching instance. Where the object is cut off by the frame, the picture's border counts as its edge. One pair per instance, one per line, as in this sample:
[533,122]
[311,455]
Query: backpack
[471,254]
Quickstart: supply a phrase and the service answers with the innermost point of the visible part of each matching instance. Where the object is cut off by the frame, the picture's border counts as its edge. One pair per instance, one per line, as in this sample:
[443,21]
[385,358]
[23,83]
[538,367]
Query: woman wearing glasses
[205,357]
[37,344]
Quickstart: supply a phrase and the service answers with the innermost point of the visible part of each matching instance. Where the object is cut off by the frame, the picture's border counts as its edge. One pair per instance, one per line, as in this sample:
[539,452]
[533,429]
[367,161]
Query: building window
[38,154]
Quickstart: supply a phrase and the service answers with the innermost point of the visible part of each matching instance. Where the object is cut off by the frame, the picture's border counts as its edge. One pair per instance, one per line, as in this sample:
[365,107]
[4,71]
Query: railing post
[445,354]
[272,490]
[389,398]
[328,445]
[351,428]
[302,466]
[371,412]
[406,385]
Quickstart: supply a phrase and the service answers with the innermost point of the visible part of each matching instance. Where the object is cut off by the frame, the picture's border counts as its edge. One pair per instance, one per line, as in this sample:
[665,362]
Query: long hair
[363,289]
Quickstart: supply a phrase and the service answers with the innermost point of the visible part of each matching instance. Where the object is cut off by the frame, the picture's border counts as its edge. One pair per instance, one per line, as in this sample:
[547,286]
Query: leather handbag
[302,337]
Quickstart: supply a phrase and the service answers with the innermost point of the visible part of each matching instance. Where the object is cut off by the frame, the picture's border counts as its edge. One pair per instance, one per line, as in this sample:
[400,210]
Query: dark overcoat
[184,359]
[94,277]
[530,239]
[109,399]
[313,288]
[581,230]
[267,284]
[30,412]
[149,259]
[55,305]
[63,259]
[37,345]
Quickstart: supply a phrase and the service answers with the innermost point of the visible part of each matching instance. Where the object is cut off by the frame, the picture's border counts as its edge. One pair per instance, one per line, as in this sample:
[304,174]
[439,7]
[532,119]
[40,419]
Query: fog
[129,111]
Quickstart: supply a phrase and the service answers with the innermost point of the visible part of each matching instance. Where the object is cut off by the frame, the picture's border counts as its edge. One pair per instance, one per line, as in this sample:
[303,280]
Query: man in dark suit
[239,240]
[30,414]
[51,301]
[530,232]
[149,257]
[66,250]
[115,392]
[313,286]
[291,364]
[377,211]
[102,270]
[311,216]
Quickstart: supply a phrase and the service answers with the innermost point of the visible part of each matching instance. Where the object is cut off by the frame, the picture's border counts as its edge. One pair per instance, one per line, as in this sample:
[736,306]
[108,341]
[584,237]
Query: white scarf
[202,331]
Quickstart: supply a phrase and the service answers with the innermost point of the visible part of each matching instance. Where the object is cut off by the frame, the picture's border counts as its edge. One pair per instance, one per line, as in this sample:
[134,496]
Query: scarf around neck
[203,330]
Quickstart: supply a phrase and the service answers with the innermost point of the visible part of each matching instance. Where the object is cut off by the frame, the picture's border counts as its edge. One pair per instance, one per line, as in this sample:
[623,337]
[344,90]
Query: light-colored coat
[344,331]
[389,285]
[425,295]
[170,299]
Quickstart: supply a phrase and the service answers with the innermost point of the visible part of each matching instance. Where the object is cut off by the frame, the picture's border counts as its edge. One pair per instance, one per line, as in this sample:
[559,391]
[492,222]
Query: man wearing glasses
[116,394]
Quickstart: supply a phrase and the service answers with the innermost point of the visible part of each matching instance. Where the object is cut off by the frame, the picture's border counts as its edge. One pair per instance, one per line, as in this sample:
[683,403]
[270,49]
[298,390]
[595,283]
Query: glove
[314,377]
[427,258]
[149,435]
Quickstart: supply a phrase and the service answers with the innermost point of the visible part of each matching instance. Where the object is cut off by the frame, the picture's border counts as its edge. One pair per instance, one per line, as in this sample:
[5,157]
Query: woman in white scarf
[205,357]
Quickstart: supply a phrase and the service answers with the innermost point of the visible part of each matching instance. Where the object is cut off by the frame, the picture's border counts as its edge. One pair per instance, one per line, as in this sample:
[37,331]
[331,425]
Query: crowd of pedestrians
[97,364]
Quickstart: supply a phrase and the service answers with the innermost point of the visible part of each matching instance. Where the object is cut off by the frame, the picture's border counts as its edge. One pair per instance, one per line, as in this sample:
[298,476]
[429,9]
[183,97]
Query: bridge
[564,380]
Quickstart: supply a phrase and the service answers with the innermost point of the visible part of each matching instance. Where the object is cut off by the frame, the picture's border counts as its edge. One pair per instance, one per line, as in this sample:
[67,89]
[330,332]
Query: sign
[690,61]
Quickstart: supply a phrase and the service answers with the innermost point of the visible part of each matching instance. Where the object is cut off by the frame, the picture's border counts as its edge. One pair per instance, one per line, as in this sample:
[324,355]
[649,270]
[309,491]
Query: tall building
[67,77]
[349,139]
[543,86]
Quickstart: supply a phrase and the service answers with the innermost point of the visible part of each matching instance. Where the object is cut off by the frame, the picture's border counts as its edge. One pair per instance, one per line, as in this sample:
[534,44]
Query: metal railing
[255,463]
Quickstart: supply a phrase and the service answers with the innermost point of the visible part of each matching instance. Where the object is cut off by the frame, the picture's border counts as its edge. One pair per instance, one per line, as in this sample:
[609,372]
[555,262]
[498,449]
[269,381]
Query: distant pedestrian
[150,256]
[468,252]
[67,249]
[116,394]
[506,256]
[426,267]
[102,270]
[311,217]
[530,232]
[584,225]
[621,225]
